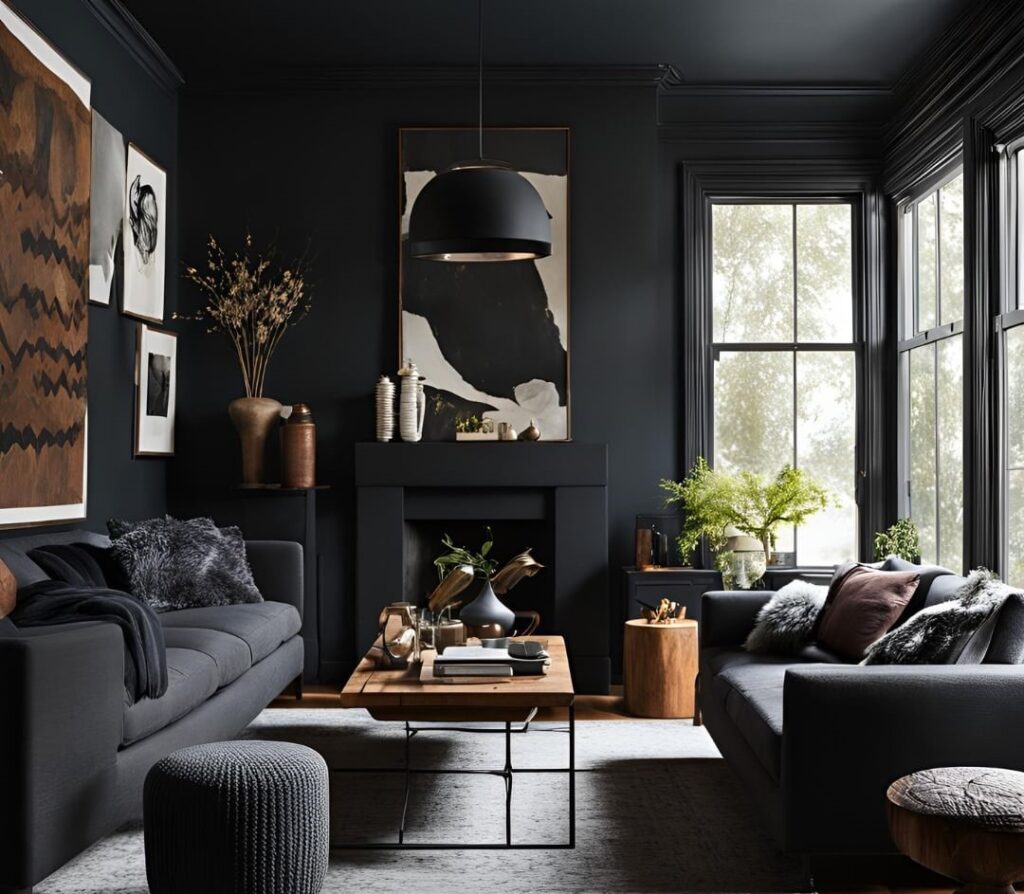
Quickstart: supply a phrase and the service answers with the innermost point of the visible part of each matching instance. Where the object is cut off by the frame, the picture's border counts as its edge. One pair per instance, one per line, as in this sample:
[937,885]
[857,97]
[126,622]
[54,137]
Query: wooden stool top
[983,797]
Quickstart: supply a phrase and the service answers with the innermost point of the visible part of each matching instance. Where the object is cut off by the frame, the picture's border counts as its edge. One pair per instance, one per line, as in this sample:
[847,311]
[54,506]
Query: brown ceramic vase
[254,419]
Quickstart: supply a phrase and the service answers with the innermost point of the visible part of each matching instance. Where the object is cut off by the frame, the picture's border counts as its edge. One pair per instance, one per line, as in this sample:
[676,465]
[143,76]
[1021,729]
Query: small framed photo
[145,237]
[156,385]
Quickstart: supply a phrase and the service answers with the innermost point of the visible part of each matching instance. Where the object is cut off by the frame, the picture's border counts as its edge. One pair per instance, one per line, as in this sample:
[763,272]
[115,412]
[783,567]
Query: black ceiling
[863,42]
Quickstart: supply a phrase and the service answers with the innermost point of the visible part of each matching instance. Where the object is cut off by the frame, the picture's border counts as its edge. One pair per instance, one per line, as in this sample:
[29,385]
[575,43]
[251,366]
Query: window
[785,377]
[931,361]
[1011,331]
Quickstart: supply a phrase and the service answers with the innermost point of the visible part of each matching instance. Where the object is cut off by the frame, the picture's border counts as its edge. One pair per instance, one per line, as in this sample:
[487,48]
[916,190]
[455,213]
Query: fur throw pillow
[938,634]
[786,622]
[174,564]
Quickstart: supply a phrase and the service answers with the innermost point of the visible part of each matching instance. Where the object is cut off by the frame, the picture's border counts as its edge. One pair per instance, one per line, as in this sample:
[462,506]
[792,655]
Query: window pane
[824,272]
[926,263]
[752,276]
[1015,528]
[754,411]
[951,256]
[825,444]
[1015,397]
[1020,229]
[950,418]
[922,448]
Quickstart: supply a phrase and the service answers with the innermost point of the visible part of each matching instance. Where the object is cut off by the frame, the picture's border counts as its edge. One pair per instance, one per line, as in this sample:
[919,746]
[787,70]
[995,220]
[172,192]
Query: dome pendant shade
[479,211]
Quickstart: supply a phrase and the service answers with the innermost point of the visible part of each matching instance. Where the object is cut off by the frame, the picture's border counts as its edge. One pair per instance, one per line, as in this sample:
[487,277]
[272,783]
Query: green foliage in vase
[479,561]
[714,501]
[900,539]
[470,424]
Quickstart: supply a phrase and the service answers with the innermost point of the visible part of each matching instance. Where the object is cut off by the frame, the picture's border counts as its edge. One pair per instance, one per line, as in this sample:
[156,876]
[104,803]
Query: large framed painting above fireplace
[491,339]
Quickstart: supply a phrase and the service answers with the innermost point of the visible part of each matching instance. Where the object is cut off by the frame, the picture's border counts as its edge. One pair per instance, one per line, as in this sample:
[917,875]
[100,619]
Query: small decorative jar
[298,448]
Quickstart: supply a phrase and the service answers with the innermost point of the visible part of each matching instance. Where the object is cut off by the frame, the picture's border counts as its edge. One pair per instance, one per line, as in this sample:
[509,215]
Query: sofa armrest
[62,704]
[727,616]
[277,569]
[850,731]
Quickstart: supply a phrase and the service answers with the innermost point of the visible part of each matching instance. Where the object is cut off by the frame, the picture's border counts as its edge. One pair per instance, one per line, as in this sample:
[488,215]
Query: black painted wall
[321,166]
[146,113]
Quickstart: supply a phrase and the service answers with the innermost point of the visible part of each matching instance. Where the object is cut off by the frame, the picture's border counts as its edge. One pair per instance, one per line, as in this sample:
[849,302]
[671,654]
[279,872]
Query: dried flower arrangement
[253,301]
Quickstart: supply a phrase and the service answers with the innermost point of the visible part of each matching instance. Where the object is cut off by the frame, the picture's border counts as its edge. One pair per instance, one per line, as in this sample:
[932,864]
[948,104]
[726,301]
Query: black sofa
[73,755]
[816,741]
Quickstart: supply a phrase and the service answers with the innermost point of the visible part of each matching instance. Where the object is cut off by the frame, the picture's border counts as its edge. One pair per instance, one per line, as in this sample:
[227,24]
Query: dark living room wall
[145,110]
[319,166]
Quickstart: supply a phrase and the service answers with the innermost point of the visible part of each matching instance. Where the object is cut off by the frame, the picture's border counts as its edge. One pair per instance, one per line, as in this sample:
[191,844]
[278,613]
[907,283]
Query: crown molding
[769,132]
[337,77]
[784,90]
[115,17]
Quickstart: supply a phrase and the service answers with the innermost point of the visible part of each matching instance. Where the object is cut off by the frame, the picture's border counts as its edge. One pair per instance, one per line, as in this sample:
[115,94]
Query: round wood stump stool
[963,822]
[659,668]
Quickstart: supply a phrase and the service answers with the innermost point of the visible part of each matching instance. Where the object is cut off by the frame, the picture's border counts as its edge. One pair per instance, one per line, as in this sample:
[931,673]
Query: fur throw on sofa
[786,622]
[941,633]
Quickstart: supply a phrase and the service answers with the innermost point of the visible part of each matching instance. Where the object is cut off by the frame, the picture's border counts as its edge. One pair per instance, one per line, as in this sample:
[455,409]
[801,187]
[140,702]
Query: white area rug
[657,810]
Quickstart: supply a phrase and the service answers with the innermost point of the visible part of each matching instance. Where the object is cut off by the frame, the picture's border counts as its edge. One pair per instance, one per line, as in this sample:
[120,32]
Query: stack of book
[478,661]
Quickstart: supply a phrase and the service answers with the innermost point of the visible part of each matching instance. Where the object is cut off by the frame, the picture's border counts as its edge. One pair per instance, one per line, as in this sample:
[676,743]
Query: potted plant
[899,539]
[253,301]
[714,501]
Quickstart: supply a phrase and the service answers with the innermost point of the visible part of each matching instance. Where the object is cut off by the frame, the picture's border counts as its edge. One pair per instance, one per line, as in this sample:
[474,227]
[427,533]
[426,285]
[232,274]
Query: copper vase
[254,419]
[298,449]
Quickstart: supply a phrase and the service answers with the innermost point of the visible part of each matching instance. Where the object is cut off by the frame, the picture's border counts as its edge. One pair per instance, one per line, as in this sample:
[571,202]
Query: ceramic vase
[385,397]
[254,419]
[412,404]
[488,610]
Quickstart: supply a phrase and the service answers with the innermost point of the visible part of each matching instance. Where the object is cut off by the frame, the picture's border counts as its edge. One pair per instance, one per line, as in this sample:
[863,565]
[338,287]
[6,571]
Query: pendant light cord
[480,78]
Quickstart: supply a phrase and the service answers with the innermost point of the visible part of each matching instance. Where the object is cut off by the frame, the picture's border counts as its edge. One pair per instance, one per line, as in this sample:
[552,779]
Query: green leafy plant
[900,539]
[714,500]
[479,561]
[472,424]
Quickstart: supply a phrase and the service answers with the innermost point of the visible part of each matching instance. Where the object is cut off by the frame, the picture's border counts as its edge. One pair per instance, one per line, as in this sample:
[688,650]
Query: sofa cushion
[192,679]
[921,596]
[262,625]
[14,551]
[231,654]
[8,590]
[753,701]
[1007,644]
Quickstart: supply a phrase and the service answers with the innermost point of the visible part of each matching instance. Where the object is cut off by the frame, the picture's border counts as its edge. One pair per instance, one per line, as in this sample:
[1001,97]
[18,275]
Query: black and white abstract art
[156,391]
[491,339]
[145,236]
[106,213]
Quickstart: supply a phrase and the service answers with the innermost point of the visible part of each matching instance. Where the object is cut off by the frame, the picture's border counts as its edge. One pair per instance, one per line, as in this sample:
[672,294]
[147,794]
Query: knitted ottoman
[242,817]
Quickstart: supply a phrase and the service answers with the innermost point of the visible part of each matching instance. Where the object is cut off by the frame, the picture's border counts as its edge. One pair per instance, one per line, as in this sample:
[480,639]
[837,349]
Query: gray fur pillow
[786,622]
[174,564]
[940,633]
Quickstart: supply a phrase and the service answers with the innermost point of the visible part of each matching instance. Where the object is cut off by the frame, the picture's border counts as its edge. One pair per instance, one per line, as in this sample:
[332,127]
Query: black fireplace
[548,496]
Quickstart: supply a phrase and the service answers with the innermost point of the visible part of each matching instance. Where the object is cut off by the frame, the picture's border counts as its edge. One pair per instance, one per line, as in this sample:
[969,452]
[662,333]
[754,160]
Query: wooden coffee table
[505,706]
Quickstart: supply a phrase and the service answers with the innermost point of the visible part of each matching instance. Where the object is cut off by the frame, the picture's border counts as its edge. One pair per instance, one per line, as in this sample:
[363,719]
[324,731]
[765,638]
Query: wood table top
[394,693]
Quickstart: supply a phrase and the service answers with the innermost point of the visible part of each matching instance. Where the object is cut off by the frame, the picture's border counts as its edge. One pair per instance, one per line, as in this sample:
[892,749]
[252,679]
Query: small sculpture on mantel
[531,433]
[412,403]
[667,612]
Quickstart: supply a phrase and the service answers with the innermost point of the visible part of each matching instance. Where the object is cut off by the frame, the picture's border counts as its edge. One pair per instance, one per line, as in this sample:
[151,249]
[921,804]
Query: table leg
[572,775]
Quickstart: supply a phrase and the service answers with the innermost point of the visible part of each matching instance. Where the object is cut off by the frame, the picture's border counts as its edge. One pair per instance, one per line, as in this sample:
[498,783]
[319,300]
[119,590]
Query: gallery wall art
[156,378]
[108,203]
[145,237]
[45,160]
[491,339]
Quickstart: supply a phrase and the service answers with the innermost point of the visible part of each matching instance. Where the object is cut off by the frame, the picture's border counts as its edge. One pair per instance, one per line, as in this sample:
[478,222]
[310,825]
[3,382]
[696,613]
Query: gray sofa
[74,755]
[816,742]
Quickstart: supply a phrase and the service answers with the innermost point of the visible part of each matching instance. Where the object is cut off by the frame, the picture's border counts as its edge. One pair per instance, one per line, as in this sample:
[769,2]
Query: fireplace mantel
[563,484]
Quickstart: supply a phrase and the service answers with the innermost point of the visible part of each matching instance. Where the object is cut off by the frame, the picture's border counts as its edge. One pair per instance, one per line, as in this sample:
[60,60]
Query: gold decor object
[513,571]
[396,642]
[254,418]
[298,448]
[455,581]
[667,612]
[530,433]
[449,633]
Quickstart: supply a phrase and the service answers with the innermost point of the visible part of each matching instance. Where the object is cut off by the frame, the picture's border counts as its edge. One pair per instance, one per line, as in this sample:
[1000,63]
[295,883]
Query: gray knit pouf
[242,817]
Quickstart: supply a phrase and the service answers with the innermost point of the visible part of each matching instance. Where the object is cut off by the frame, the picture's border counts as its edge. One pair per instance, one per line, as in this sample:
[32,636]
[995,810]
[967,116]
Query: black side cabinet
[685,586]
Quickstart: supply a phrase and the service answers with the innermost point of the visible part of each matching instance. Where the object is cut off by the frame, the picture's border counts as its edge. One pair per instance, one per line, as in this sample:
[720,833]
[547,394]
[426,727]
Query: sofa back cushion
[862,605]
[923,595]
[8,590]
[1007,643]
[14,551]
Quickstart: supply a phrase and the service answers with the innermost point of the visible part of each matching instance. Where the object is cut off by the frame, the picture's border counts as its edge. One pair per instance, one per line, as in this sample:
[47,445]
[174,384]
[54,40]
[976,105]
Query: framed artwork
[45,160]
[156,385]
[491,340]
[106,217]
[145,237]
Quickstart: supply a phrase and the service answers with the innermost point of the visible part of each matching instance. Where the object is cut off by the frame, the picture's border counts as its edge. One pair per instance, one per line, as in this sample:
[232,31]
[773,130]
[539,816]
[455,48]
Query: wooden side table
[659,668]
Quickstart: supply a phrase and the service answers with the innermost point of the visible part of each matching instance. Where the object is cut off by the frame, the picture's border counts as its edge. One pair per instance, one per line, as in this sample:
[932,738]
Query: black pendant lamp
[480,210]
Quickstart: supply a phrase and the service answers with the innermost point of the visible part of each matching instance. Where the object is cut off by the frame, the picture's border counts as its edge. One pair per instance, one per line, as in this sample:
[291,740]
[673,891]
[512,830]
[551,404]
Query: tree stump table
[659,668]
[963,822]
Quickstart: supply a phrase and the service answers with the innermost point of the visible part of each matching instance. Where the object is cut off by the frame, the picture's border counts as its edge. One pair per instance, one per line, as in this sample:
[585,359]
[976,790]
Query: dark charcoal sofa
[816,741]
[73,755]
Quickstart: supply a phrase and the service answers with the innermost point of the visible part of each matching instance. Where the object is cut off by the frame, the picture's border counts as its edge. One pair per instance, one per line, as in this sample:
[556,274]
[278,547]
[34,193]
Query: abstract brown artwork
[45,160]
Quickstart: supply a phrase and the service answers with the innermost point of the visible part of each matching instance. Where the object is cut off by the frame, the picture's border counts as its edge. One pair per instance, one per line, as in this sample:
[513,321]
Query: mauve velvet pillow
[863,605]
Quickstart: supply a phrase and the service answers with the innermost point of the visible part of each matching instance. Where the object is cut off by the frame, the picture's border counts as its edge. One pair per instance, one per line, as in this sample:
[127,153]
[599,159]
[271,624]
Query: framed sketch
[145,237]
[491,340]
[156,385]
[44,257]
[107,208]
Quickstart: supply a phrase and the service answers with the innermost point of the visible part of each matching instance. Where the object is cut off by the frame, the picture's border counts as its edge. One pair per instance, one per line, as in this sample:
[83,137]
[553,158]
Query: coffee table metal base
[508,773]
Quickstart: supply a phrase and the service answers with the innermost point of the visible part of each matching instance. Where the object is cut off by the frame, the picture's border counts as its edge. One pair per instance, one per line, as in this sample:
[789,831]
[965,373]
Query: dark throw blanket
[53,602]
